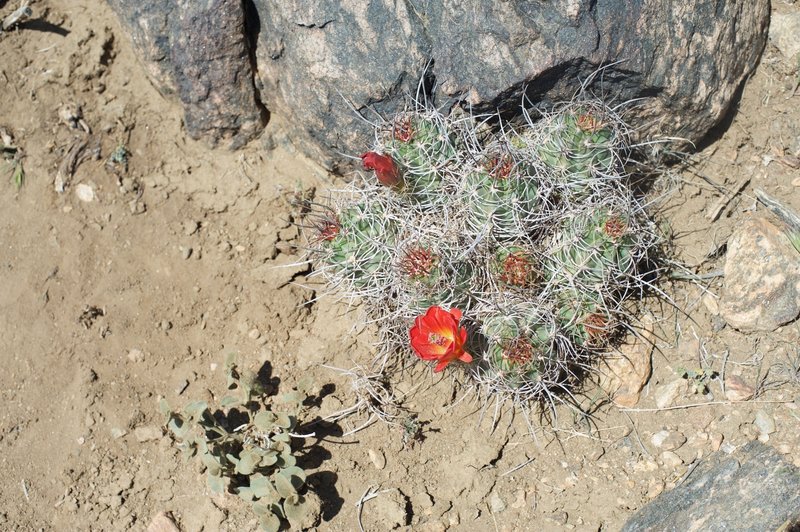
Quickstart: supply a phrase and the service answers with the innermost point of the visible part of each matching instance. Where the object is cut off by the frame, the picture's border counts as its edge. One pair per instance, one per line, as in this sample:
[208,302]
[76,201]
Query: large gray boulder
[754,489]
[199,50]
[322,64]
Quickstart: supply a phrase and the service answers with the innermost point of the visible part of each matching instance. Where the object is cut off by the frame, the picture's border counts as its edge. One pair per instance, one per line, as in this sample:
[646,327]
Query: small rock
[81,440]
[658,438]
[225,246]
[254,334]
[377,458]
[655,488]
[162,522]
[783,31]
[186,253]
[559,518]
[182,385]
[761,290]
[165,325]
[737,390]
[190,227]
[135,355]
[626,371]
[710,303]
[520,500]
[84,192]
[764,422]
[148,433]
[496,504]
[670,459]
[674,441]
[118,433]
[667,394]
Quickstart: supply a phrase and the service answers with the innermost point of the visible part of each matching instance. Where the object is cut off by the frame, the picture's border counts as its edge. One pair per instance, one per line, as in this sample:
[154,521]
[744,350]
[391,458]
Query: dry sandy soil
[108,305]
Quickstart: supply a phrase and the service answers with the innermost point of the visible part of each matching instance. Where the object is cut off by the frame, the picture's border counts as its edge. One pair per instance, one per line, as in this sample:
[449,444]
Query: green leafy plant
[699,379]
[12,157]
[246,448]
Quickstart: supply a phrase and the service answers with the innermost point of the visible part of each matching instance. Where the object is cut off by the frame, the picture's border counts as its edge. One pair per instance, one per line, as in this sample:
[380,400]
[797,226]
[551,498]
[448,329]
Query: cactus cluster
[530,230]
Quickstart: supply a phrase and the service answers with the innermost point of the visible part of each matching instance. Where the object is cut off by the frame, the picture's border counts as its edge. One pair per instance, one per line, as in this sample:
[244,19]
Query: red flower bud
[386,169]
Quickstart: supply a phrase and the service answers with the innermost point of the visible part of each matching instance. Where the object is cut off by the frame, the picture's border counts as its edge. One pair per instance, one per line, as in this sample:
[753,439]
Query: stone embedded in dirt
[670,459]
[783,31]
[764,422]
[135,355]
[163,522]
[667,394]
[147,433]
[737,390]
[658,438]
[624,372]
[496,503]
[673,441]
[84,192]
[317,63]
[118,433]
[755,489]
[377,458]
[761,291]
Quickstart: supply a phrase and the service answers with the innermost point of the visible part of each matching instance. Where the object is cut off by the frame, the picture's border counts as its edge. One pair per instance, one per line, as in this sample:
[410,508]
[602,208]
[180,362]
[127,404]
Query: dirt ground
[110,304]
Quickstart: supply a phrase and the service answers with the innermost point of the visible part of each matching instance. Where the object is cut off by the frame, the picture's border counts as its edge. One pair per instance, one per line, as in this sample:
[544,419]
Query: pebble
[496,503]
[761,288]
[560,518]
[186,252]
[520,500]
[716,441]
[254,334]
[165,325]
[658,438]
[764,423]
[673,441]
[737,389]
[147,433]
[190,227]
[783,31]
[84,192]
[135,355]
[671,459]
[667,394]
[377,458]
[626,371]
[182,385]
[118,433]
[225,246]
[162,522]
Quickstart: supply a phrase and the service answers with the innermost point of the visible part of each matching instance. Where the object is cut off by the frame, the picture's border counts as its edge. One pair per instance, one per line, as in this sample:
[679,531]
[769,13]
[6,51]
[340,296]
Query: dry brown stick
[715,211]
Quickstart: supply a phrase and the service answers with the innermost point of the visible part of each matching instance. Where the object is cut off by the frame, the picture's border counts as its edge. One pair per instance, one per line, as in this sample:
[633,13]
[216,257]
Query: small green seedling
[12,156]
[246,449]
[699,379]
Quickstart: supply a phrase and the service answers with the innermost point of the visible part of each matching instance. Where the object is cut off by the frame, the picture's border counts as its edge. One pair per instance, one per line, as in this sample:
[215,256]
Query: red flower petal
[385,168]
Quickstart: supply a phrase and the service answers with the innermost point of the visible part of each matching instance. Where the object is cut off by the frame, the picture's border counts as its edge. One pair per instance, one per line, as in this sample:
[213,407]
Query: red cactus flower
[437,336]
[386,169]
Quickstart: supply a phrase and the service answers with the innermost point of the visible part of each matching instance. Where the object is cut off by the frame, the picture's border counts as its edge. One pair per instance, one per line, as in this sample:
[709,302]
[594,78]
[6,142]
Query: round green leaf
[283,485]
[264,421]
